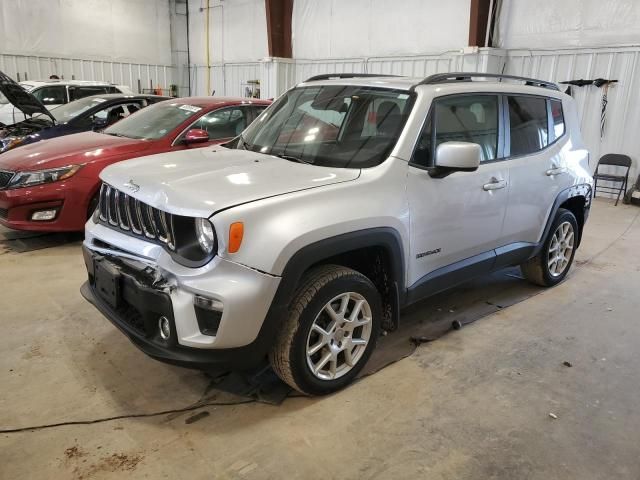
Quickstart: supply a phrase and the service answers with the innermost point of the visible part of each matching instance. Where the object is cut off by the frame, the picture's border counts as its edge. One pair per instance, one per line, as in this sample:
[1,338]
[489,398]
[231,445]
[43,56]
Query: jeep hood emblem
[132,186]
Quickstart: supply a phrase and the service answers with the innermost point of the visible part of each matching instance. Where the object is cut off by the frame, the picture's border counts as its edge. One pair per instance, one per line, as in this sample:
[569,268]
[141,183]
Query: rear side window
[81,92]
[528,122]
[557,118]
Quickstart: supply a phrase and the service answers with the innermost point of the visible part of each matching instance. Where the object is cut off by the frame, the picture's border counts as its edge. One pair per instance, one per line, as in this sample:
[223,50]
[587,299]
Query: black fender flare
[385,237]
[581,190]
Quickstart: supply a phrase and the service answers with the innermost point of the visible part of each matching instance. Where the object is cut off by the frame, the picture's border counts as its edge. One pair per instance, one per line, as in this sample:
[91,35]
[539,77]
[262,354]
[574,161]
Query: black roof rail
[330,76]
[468,77]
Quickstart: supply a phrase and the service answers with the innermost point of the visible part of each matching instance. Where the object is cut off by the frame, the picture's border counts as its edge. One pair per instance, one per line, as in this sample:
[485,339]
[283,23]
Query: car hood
[21,99]
[202,181]
[79,148]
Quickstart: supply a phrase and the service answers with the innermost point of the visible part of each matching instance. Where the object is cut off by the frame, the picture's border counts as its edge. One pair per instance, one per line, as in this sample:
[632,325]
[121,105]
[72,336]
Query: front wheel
[330,333]
[554,260]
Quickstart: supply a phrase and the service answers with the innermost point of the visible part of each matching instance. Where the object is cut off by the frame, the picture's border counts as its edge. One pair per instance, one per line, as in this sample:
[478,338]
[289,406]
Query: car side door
[456,219]
[533,145]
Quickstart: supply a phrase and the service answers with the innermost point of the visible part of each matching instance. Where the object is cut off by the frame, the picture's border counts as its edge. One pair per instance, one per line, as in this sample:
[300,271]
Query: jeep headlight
[38,177]
[205,234]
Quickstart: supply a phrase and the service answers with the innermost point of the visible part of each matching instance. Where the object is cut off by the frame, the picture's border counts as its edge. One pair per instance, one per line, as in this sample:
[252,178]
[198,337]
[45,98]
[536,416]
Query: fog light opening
[164,327]
[207,303]
[44,215]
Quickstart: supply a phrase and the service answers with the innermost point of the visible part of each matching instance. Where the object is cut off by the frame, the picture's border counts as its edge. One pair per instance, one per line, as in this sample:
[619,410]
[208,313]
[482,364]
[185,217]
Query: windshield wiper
[293,159]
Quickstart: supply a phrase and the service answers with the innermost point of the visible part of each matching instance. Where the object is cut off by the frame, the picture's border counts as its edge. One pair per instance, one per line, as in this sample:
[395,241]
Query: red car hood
[79,148]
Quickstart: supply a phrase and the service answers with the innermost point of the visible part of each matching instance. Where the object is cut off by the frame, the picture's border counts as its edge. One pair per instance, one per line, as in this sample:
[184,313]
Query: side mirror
[100,123]
[458,156]
[196,135]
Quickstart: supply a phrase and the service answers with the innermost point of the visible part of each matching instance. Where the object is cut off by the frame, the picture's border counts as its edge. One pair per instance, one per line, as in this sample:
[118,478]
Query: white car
[344,202]
[53,93]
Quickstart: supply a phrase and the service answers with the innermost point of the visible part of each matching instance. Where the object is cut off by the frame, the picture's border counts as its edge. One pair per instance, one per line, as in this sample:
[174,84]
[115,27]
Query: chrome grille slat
[123,220]
[134,222]
[102,204]
[112,209]
[126,213]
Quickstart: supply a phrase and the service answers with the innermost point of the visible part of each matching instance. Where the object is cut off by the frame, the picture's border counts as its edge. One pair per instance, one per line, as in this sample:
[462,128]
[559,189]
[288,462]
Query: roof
[220,101]
[117,96]
[408,83]
[86,83]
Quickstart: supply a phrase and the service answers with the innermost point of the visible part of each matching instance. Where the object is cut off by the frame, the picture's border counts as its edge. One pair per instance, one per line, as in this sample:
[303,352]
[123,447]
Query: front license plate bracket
[107,282]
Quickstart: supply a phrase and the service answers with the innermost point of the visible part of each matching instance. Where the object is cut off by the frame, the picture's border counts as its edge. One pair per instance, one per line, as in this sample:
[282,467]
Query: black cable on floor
[119,417]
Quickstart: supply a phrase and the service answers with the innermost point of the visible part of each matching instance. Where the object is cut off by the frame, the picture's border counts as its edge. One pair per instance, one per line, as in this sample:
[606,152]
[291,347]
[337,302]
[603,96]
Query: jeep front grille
[5,178]
[121,211]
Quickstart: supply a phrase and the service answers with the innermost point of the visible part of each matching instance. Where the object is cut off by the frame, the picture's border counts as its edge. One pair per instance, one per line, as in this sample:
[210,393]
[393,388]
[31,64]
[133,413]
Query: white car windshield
[334,125]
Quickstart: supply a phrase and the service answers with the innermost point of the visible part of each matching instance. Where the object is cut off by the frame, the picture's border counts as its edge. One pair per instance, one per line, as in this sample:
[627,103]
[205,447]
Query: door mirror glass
[463,156]
[196,135]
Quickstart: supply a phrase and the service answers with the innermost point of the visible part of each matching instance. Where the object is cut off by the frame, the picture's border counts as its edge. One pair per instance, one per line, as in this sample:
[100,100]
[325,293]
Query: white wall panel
[557,24]
[130,31]
[230,80]
[362,28]
[35,68]
[237,31]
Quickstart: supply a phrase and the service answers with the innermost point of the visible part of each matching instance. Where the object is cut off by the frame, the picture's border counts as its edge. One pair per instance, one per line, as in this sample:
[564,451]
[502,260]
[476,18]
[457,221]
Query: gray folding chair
[619,181]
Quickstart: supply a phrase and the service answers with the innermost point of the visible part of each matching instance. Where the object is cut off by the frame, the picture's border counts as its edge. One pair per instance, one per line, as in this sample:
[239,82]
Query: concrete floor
[473,404]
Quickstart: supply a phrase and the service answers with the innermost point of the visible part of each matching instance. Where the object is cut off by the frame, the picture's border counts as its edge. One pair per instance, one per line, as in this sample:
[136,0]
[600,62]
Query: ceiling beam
[478,22]
[279,27]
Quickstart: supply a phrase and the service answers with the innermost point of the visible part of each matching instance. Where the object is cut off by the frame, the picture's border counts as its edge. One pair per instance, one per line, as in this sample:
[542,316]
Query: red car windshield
[153,122]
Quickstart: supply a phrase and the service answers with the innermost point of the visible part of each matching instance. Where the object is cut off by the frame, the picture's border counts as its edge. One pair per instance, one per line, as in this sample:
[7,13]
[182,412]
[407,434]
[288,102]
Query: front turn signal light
[236,231]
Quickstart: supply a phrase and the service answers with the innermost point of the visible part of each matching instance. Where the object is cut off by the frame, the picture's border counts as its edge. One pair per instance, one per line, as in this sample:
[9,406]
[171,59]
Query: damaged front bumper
[211,319]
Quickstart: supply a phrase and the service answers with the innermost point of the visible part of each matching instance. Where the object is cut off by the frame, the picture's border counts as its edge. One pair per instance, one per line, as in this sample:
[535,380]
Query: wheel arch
[375,252]
[576,199]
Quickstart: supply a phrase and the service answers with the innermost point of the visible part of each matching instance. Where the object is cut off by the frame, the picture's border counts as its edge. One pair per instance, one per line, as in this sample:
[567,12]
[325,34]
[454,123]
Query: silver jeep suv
[350,198]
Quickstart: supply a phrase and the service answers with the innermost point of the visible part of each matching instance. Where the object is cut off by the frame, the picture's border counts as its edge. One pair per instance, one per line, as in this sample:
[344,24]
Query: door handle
[555,171]
[495,184]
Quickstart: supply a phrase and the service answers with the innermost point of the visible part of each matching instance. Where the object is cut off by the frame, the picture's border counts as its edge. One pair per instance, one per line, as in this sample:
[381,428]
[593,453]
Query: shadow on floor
[21,242]
[421,323]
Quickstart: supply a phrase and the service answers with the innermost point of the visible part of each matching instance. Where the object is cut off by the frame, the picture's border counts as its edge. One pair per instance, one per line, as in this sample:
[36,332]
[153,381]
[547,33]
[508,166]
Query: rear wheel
[330,333]
[554,260]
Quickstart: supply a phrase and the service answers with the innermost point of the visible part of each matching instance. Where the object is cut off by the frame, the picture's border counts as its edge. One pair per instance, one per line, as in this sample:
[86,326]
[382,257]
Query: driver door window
[464,118]
[224,123]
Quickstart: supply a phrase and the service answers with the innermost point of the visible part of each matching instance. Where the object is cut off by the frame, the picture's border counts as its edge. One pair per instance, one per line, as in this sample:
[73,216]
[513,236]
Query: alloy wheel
[339,336]
[560,249]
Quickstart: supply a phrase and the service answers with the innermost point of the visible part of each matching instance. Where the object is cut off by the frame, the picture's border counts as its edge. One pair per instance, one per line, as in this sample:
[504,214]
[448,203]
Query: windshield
[333,126]
[3,99]
[64,113]
[153,122]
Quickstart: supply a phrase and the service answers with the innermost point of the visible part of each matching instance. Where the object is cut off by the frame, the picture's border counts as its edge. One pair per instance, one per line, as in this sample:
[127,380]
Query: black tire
[319,286]
[536,269]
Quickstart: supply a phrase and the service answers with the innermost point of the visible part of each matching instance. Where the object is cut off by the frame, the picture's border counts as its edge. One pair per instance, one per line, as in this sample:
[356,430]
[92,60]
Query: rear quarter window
[528,123]
[557,116]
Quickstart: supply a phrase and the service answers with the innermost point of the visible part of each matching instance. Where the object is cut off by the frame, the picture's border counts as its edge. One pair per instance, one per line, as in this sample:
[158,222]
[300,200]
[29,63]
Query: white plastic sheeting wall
[577,23]
[119,40]
[355,28]
[237,41]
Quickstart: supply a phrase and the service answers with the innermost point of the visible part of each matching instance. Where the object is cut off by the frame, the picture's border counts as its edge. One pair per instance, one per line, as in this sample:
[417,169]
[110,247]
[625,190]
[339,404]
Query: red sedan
[53,185]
